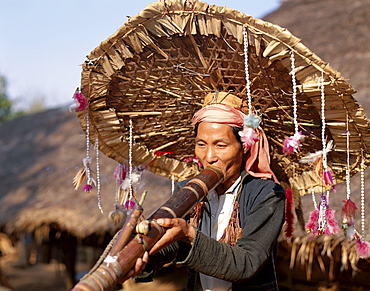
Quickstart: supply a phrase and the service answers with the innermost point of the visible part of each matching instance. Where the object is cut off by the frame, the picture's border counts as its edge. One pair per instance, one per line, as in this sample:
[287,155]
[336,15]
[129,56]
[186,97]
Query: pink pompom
[313,222]
[248,136]
[291,144]
[331,223]
[363,248]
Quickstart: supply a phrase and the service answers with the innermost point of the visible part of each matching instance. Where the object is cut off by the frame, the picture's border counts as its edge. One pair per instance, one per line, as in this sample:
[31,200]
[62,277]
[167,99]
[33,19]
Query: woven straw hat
[159,67]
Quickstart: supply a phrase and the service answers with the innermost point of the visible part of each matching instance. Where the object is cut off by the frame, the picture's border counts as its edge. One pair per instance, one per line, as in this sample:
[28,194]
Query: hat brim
[158,67]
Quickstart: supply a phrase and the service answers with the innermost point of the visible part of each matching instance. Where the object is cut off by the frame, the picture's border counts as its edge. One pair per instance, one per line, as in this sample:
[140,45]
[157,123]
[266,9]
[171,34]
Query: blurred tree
[5,102]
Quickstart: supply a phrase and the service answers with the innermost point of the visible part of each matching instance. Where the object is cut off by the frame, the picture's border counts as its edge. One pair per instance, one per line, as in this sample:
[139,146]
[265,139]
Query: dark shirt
[249,265]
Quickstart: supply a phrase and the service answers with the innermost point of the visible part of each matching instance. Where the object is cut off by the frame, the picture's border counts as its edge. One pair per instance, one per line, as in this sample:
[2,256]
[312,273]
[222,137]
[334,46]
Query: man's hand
[175,229]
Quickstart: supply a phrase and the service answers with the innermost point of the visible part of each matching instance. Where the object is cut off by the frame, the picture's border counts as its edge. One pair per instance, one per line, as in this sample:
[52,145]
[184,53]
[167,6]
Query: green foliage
[5,103]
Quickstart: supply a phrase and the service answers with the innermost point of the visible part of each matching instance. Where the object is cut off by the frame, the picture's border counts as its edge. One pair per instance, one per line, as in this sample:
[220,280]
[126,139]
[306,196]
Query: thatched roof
[39,156]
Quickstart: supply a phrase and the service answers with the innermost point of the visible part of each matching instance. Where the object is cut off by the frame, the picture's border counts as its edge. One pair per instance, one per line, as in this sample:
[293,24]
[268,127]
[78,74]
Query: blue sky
[43,42]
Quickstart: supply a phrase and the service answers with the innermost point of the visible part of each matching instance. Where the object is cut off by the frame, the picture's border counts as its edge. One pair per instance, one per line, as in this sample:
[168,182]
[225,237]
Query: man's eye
[221,146]
[200,144]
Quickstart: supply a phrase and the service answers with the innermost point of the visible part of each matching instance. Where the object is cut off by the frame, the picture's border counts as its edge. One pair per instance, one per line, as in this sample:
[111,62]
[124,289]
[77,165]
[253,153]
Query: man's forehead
[215,131]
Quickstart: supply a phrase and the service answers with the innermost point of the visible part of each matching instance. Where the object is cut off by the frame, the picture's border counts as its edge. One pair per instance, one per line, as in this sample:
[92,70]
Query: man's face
[216,145]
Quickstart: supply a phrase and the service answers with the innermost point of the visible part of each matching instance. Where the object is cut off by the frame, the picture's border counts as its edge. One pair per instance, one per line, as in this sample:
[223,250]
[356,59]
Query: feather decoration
[291,144]
[77,180]
[331,223]
[313,157]
[81,175]
[289,216]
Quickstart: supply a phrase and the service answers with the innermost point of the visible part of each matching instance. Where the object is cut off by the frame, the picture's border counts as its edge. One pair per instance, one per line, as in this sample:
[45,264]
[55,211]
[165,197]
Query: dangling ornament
[322,220]
[349,210]
[292,143]
[289,216]
[249,133]
[85,171]
[319,158]
[79,101]
[363,246]
[127,177]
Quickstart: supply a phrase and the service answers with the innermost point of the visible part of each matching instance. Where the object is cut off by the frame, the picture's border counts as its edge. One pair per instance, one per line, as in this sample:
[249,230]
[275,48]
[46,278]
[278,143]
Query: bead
[294,84]
[247,77]
[130,159]
[129,204]
[87,188]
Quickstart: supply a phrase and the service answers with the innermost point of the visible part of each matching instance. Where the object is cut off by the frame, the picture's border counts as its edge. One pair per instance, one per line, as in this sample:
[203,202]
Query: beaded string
[322,213]
[98,173]
[313,198]
[88,158]
[348,187]
[294,82]
[362,179]
[323,139]
[130,160]
[324,200]
[247,77]
[292,143]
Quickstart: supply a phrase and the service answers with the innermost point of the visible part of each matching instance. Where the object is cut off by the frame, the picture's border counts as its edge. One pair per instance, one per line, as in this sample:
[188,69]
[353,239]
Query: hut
[40,155]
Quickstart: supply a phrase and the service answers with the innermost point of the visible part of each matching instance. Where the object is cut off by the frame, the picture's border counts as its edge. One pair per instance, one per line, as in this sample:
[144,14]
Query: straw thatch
[157,68]
[39,156]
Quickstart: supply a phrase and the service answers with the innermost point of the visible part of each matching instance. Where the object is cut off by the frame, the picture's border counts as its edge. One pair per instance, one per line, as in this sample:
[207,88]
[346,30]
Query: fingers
[174,230]
[167,222]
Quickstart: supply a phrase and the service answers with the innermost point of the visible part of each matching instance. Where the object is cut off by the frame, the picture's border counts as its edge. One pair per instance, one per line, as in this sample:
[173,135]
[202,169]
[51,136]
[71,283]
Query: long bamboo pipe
[118,263]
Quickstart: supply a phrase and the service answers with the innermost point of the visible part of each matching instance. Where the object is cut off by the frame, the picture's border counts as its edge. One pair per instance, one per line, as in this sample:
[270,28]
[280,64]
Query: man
[232,247]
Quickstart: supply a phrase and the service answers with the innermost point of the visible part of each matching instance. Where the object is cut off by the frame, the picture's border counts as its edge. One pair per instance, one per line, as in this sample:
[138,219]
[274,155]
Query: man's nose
[211,156]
